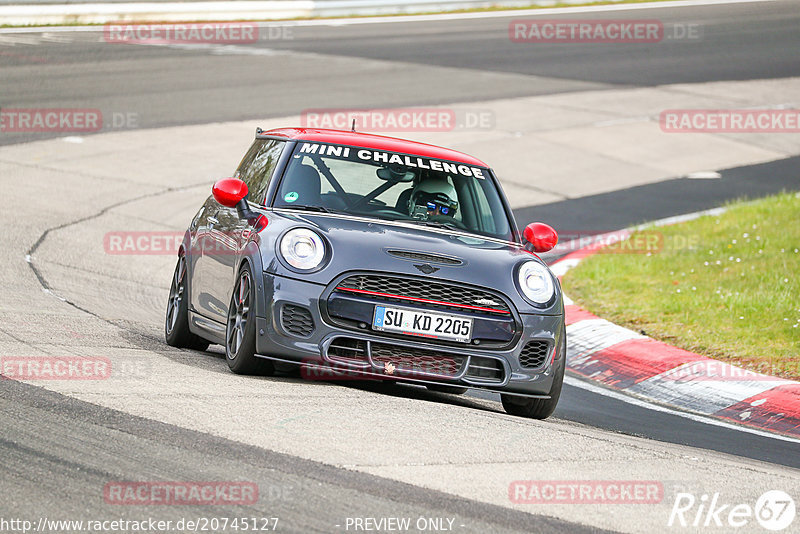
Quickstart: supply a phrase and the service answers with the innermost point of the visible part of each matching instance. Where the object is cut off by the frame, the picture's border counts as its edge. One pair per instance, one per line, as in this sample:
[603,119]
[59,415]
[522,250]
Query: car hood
[368,245]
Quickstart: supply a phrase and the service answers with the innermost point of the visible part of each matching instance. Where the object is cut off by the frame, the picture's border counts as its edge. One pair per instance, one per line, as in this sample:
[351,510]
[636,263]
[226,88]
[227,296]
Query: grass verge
[725,286]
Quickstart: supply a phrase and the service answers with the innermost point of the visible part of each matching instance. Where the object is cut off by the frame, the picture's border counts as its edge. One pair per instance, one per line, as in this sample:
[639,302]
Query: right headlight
[535,282]
[302,249]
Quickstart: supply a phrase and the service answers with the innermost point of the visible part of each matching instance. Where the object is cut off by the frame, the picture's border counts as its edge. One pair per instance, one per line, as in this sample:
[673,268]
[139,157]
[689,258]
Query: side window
[257,166]
[481,208]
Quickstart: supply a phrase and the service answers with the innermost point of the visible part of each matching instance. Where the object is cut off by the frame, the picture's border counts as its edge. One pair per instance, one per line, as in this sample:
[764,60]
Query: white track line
[588,386]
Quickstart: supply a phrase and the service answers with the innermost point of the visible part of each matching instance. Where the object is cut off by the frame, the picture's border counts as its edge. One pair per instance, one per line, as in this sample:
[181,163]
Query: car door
[196,266]
[228,233]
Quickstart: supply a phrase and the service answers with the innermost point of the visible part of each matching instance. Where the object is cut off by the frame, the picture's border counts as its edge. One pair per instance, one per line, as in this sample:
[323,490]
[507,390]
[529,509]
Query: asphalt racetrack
[323,454]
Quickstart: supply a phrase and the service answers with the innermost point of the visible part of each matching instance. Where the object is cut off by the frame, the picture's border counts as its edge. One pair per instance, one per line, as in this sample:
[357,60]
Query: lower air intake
[534,354]
[297,320]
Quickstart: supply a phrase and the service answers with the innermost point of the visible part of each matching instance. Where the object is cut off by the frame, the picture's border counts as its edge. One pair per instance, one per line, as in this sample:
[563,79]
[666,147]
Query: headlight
[302,249]
[535,282]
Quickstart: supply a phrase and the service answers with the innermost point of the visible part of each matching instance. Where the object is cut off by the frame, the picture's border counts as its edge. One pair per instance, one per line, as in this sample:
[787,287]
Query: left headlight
[302,249]
[535,282]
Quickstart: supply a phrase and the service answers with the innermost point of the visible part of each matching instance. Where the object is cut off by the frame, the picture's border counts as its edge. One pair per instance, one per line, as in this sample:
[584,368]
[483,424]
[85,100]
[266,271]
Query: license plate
[422,324]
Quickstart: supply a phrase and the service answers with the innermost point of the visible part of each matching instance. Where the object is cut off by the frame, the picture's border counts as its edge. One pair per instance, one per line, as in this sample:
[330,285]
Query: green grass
[725,286]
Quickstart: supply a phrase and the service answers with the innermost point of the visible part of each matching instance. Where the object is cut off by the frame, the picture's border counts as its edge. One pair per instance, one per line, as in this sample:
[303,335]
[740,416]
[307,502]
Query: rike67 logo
[774,510]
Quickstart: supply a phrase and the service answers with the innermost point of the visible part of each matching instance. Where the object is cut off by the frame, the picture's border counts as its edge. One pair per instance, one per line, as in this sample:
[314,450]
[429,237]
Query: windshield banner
[388,158]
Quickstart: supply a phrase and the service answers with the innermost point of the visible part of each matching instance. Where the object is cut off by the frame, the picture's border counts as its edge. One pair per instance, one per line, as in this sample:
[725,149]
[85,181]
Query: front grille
[487,368]
[348,348]
[432,294]
[417,360]
[424,257]
[297,320]
[534,354]
[414,361]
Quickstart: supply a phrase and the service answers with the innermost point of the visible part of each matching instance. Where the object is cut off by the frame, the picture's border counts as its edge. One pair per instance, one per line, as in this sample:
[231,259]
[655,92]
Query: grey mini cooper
[362,256]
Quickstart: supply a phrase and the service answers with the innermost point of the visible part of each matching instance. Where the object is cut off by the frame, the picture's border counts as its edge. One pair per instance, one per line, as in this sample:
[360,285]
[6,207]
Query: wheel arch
[251,256]
[186,244]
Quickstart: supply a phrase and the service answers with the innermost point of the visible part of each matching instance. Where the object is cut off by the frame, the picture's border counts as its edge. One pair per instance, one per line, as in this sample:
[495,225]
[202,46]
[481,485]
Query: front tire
[540,408]
[176,322]
[240,332]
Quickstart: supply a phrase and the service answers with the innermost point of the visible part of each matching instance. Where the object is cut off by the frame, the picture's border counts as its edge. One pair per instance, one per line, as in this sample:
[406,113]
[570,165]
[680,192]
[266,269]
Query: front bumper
[329,349]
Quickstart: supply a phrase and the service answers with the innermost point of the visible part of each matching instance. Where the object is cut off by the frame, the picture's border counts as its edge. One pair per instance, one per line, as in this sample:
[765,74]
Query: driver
[433,196]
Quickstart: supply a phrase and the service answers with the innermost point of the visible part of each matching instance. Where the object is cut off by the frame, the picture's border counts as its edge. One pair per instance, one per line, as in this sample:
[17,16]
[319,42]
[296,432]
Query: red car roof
[377,142]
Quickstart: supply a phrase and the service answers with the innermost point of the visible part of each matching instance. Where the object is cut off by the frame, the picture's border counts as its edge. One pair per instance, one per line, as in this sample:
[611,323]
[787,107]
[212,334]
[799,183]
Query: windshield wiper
[321,209]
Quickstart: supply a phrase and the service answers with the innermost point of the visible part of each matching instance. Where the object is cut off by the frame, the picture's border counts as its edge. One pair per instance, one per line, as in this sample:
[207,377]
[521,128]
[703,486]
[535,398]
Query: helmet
[433,195]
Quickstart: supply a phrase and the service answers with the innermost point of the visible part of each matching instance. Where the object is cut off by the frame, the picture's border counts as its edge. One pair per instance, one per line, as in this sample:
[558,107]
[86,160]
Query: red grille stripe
[417,299]
[420,335]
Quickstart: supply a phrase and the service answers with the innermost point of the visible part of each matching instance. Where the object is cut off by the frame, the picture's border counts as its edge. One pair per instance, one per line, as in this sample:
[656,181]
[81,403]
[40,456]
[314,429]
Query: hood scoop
[426,257]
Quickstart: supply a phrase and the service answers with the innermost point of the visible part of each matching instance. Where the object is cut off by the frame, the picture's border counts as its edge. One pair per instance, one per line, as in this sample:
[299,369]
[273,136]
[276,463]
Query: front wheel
[176,323]
[240,332]
[540,408]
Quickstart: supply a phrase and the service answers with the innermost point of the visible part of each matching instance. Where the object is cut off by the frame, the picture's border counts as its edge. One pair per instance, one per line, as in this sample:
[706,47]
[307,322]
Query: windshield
[396,187]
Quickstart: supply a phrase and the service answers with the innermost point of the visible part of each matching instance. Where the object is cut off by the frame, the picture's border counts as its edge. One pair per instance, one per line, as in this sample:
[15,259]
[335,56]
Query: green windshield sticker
[291,196]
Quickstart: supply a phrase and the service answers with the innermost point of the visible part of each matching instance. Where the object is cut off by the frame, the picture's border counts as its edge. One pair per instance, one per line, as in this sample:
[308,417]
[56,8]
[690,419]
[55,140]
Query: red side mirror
[541,236]
[229,191]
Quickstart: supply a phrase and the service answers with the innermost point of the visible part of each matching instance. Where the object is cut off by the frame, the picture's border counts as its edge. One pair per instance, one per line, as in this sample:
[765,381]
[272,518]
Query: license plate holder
[430,325]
